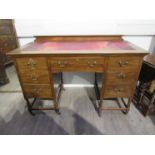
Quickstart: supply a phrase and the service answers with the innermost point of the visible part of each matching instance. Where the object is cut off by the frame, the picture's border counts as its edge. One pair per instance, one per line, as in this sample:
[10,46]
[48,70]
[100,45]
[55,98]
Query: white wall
[138,32]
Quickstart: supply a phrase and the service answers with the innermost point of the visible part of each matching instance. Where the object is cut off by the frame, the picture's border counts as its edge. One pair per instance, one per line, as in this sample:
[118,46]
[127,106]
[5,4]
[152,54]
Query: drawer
[31,64]
[41,91]
[130,63]
[118,91]
[35,77]
[87,64]
[121,77]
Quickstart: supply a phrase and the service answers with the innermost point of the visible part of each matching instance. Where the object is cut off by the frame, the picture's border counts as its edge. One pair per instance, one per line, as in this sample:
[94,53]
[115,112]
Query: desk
[119,61]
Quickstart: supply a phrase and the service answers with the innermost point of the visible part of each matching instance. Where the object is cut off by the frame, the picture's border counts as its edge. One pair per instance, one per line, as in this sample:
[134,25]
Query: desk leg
[127,105]
[62,82]
[100,107]
[29,105]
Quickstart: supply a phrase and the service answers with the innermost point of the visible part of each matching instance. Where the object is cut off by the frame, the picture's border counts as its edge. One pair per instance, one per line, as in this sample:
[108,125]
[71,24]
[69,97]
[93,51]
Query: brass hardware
[126,63]
[36,90]
[62,64]
[91,65]
[31,63]
[34,78]
[95,62]
[121,75]
[123,63]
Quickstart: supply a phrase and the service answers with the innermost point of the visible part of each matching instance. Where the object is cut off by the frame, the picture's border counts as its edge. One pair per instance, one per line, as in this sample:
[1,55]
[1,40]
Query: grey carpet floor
[78,116]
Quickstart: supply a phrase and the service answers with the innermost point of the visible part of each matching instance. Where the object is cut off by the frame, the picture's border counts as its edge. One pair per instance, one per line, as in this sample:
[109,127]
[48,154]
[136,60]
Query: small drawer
[129,63]
[89,64]
[118,91]
[41,91]
[121,77]
[35,77]
[30,64]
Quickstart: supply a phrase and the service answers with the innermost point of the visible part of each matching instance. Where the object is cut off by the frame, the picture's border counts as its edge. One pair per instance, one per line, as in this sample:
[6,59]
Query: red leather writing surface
[95,45]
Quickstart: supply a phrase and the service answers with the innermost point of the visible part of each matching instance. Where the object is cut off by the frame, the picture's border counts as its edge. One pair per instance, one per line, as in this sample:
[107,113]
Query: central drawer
[87,64]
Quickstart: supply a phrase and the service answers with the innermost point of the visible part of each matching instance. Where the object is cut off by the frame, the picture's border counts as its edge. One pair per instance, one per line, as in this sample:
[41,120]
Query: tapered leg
[29,106]
[128,106]
[100,107]
[57,111]
[62,82]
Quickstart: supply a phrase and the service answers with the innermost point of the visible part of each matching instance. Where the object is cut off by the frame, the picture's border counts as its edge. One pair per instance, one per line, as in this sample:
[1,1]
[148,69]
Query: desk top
[81,47]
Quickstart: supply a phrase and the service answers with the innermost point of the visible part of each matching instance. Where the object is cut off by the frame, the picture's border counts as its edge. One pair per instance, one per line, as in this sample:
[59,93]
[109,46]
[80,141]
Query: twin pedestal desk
[118,61]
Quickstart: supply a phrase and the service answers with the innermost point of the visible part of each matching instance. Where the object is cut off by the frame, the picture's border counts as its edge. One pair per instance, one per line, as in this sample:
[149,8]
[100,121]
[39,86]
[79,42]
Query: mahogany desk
[119,61]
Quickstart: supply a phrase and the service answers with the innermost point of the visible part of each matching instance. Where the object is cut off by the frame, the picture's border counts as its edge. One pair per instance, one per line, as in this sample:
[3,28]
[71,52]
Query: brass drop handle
[62,64]
[91,64]
[123,63]
[94,62]
[36,90]
[121,75]
[34,77]
[31,62]
[126,63]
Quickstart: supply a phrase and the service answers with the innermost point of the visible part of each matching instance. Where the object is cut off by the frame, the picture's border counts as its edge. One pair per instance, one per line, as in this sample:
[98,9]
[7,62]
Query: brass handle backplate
[36,90]
[31,63]
[92,63]
[121,75]
[62,63]
[123,63]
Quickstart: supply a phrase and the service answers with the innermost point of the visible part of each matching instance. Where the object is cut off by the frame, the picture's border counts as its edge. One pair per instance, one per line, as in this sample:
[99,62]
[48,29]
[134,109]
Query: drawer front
[128,63]
[118,91]
[87,64]
[35,77]
[30,64]
[121,77]
[33,70]
[41,91]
